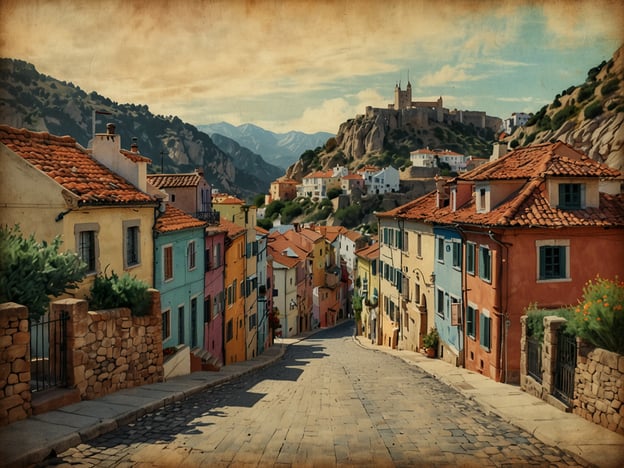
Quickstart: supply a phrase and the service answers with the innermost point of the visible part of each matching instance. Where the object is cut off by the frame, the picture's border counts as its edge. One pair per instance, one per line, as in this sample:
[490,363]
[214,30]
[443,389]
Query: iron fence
[48,352]
[534,358]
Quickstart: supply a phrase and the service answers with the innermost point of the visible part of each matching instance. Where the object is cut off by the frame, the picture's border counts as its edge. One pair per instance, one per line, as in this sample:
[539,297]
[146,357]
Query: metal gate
[566,365]
[48,352]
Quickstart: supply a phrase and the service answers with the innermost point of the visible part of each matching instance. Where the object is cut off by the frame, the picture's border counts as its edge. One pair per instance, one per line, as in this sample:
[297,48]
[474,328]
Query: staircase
[202,360]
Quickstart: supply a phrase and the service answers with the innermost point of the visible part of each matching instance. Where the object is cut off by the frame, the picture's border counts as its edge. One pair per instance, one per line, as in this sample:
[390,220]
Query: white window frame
[552,243]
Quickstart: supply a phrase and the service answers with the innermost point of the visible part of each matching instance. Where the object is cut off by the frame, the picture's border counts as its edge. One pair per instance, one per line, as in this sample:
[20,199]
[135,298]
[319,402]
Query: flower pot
[430,352]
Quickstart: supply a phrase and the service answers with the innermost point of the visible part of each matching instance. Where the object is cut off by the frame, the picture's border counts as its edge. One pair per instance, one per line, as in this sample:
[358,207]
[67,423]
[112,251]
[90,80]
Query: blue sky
[311,65]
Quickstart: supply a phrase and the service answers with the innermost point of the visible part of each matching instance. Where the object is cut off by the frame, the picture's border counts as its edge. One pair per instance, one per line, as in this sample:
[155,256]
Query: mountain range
[37,102]
[281,149]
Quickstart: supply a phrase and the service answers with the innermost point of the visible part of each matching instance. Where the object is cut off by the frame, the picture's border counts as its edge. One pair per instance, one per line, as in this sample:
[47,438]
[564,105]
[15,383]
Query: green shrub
[31,271]
[334,192]
[564,114]
[264,223]
[610,86]
[586,92]
[535,320]
[599,317]
[593,110]
[108,292]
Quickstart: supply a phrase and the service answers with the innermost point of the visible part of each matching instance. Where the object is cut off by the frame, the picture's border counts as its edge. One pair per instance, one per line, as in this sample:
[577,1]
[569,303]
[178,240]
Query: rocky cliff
[589,117]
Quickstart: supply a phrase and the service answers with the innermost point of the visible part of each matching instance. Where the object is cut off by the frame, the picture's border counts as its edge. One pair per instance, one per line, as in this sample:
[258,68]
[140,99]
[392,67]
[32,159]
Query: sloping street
[328,402]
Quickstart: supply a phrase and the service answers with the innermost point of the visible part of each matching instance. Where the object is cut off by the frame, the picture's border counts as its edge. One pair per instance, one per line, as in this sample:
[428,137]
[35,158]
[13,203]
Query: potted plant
[430,342]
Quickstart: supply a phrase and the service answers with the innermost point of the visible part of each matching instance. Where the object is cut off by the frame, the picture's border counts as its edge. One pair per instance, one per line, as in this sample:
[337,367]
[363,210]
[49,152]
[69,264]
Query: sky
[309,65]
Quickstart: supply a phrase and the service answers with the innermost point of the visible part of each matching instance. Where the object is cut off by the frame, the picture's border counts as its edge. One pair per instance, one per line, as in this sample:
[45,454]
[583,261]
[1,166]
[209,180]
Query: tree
[31,271]
[334,192]
[258,200]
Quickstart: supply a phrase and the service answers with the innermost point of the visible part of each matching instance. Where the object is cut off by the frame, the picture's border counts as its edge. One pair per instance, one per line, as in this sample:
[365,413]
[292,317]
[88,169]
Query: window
[374,268]
[86,236]
[181,324]
[229,331]
[553,260]
[168,263]
[440,303]
[456,255]
[207,309]
[485,330]
[217,256]
[485,263]
[194,322]
[419,245]
[132,243]
[481,205]
[207,259]
[253,321]
[166,325]
[190,255]
[571,196]
[471,313]
[470,257]
[440,249]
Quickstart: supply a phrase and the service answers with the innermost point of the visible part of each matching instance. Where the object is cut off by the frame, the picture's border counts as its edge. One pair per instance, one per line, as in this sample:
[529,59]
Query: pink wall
[213,285]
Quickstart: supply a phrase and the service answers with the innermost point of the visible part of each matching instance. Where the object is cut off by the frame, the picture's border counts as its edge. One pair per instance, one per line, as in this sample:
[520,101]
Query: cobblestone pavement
[329,402]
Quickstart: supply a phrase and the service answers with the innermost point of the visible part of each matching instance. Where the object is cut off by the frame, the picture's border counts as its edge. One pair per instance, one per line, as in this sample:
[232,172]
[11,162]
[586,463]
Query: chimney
[134,147]
[110,128]
[200,171]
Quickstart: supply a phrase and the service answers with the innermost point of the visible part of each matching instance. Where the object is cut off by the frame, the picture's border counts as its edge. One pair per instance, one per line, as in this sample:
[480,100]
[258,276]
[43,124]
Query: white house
[384,181]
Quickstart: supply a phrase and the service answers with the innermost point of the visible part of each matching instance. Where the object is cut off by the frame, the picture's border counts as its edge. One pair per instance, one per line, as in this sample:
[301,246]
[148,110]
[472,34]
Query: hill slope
[589,117]
[39,102]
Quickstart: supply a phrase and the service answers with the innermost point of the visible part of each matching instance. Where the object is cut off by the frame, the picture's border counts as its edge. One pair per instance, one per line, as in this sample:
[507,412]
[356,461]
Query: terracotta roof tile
[191,179]
[528,206]
[225,199]
[174,219]
[70,165]
[232,229]
[370,252]
[135,157]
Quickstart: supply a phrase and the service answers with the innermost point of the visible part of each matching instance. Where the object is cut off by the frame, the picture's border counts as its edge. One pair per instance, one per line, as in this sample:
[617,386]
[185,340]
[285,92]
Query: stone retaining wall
[107,350]
[111,349]
[598,378]
[15,396]
[599,388]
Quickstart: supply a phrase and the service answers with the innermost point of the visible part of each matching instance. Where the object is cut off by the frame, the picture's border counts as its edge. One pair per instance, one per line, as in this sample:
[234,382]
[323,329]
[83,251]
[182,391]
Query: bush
[264,223]
[109,292]
[31,271]
[535,320]
[610,86]
[593,110]
[564,114]
[586,92]
[599,317]
[334,192]
[350,216]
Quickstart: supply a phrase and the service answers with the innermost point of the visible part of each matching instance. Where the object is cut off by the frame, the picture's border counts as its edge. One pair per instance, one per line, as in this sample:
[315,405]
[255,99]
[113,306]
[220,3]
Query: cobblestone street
[329,402]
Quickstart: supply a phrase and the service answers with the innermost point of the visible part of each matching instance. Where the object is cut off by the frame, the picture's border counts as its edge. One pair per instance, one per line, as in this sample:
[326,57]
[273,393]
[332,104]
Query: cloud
[450,74]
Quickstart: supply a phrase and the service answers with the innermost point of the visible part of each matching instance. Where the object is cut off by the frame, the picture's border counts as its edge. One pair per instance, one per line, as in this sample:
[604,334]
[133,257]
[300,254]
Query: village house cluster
[528,227]
[227,287]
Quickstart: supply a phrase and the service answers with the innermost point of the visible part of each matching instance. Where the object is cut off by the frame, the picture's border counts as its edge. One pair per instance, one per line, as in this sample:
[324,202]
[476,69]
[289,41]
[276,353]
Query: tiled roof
[278,245]
[555,159]
[529,205]
[232,229]
[352,235]
[135,157]
[353,176]
[370,252]
[70,165]
[286,180]
[191,179]
[320,175]
[174,219]
[225,199]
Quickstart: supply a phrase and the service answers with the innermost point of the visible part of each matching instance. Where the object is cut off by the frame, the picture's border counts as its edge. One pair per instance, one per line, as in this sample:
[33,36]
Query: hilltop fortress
[420,113]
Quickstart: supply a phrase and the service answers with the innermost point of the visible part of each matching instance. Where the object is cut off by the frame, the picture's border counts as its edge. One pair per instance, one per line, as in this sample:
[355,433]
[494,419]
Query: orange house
[234,317]
[536,225]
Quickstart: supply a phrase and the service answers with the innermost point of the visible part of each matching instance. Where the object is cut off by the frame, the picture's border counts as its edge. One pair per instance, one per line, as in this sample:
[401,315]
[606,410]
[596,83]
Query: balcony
[211,217]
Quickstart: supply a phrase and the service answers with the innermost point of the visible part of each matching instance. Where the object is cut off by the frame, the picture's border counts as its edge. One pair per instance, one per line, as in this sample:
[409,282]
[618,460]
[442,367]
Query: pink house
[214,299]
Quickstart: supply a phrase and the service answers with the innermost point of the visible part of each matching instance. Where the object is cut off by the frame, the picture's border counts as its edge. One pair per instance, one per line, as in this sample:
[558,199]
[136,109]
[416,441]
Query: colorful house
[179,247]
[283,188]
[367,283]
[51,186]
[234,283]
[214,296]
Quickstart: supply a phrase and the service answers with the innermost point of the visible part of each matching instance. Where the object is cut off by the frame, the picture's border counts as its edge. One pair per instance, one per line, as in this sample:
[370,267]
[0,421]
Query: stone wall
[599,388]
[107,350]
[598,378]
[111,349]
[15,396]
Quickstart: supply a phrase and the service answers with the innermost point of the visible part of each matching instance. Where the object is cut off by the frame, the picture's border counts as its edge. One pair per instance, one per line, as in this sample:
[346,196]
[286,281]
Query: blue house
[448,291]
[179,275]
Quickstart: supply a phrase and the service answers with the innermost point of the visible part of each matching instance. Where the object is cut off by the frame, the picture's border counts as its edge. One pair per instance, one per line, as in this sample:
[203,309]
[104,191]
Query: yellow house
[366,284]
[234,281]
[96,200]
[406,237]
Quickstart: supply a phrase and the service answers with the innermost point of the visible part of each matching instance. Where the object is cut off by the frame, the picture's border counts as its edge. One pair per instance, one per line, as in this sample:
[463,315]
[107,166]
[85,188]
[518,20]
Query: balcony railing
[211,217]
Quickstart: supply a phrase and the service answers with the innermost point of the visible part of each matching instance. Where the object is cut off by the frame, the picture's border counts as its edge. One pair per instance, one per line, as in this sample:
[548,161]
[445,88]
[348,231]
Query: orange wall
[234,269]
